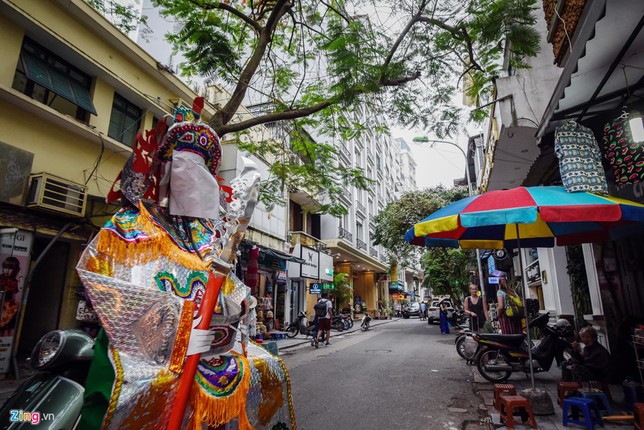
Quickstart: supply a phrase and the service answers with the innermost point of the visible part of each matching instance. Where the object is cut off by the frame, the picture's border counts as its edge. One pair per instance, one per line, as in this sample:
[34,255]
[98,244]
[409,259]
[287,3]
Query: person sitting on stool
[588,363]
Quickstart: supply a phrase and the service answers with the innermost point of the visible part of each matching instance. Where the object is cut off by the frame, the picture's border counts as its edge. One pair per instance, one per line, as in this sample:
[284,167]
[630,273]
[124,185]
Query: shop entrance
[42,311]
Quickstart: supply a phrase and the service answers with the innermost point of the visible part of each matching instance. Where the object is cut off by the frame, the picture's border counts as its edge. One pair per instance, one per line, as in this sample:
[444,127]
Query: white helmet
[563,326]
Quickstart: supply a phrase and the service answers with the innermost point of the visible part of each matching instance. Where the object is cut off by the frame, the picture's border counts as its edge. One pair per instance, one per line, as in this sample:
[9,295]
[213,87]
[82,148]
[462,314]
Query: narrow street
[402,374]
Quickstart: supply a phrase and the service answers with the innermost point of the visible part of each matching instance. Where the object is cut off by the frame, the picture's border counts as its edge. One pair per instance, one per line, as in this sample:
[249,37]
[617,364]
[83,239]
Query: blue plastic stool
[587,406]
[600,396]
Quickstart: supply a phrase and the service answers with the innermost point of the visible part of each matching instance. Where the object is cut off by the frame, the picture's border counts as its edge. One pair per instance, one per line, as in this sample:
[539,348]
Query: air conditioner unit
[56,194]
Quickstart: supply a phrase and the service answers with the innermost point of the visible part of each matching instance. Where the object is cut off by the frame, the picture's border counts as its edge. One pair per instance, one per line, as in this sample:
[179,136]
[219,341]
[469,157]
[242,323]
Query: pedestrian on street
[443,315]
[325,321]
[508,325]
[423,310]
[476,308]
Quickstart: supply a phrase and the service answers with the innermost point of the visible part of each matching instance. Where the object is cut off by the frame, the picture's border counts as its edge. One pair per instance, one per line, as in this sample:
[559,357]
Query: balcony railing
[360,207]
[345,153]
[305,239]
[373,253]
[345,234]
[361,245]
[383,258]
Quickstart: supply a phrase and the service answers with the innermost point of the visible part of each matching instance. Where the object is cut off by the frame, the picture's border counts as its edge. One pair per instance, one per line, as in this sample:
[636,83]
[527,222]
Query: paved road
[400,375]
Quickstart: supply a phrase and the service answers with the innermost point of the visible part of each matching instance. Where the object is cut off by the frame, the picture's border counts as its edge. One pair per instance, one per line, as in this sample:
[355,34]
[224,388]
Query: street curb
[356,327]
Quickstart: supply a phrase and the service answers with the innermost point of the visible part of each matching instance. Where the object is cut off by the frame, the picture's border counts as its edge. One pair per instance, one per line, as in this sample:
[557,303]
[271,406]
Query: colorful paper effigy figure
[146,273]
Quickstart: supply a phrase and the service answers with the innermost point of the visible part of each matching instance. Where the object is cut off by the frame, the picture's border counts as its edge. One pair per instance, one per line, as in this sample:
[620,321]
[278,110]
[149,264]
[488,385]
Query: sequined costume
[145,274]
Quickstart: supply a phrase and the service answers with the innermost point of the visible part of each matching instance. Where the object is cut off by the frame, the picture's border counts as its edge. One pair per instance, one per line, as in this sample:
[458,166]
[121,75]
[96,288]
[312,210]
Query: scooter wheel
[364,327]
[460,347]
[493,357]
[291,331]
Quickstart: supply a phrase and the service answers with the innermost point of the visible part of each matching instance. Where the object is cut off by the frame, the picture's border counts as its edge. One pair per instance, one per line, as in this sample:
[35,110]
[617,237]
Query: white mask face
[194,192]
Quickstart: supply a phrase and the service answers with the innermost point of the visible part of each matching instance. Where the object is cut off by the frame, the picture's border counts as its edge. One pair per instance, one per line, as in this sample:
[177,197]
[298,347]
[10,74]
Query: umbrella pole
[525,308]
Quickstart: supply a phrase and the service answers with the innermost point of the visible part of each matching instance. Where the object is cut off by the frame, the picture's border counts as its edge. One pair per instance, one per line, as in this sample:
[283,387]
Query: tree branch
[459,33]
[271,117]
[400,81]
[223,6]
[222,117]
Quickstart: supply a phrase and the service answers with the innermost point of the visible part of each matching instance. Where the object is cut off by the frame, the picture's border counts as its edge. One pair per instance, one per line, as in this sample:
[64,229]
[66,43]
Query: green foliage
[446,271]
[398,217]
[124,17]
[339,67]
[342,291]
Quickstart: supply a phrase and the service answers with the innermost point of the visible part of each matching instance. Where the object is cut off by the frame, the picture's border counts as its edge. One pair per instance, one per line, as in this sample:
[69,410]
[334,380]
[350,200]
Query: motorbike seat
[510,339]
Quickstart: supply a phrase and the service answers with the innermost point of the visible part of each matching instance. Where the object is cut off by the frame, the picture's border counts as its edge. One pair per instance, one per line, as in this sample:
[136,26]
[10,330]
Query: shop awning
[25,219]
[281,255]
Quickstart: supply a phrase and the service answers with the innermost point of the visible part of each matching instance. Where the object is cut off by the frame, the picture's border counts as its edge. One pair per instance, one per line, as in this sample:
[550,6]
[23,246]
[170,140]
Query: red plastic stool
[564,389]
[638,410]
[501,389]
[509,404]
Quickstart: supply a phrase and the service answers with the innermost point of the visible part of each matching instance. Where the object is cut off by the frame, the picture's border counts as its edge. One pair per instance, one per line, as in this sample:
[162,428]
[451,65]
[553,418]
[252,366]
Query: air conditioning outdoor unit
[52,193]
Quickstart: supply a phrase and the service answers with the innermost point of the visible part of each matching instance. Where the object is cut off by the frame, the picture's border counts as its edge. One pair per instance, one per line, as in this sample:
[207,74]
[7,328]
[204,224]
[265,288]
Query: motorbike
[458,317]
[337,323]
[53,396]
[364,326]
[301,325]
[499,355]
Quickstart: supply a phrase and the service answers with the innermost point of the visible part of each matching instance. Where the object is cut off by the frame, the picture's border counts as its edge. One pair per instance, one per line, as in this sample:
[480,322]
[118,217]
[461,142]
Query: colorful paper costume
[146,272]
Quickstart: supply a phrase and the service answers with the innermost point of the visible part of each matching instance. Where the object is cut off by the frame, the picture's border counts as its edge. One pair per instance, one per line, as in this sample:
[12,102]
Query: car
[411,310]
[433,312]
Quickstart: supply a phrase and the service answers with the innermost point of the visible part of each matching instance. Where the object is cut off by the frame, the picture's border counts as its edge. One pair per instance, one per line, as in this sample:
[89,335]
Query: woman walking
[443,315]
[476,308]
[508,325]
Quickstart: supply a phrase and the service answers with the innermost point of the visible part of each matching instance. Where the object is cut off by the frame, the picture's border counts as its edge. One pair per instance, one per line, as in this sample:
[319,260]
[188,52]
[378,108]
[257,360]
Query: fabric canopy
[545,216]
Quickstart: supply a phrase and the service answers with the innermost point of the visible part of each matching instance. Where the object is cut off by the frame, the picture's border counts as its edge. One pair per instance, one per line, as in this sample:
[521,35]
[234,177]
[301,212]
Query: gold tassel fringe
[215,411]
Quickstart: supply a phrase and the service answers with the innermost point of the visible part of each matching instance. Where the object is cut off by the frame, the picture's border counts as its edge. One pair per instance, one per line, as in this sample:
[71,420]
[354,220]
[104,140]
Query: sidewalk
[548,383]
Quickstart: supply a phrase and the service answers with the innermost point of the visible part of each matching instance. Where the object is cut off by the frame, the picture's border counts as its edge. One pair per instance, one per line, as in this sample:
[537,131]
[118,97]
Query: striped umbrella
[528,217]
[539,216]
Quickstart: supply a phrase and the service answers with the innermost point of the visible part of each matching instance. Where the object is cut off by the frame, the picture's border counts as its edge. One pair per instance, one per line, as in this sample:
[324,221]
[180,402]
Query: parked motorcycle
[337,323]
[301,325]
[499,355]
[366,319]
[458,317]
[53,396]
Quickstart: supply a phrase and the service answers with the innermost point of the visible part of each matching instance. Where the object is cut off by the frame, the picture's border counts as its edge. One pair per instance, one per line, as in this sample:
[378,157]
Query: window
[125,120]
[359,231]
[50,80]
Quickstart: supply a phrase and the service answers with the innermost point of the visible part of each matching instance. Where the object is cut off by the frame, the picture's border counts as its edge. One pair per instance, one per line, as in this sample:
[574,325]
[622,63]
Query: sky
[439,164]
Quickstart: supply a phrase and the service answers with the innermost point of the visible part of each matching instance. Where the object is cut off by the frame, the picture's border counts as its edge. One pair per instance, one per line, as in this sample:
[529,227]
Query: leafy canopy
[398,217]
[336,67]
[447,271]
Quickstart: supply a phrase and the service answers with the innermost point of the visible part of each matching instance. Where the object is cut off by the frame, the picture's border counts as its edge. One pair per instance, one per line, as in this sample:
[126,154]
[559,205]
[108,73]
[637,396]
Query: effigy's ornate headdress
[150,164]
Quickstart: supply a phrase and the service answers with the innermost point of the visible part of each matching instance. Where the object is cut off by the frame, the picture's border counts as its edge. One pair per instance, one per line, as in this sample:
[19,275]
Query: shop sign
[316,289]
[310,267]
[281,276]
[14,257]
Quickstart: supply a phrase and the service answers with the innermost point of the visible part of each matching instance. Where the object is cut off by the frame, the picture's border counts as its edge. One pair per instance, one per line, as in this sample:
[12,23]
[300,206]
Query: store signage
[317,287]
[14,256]
[311,265]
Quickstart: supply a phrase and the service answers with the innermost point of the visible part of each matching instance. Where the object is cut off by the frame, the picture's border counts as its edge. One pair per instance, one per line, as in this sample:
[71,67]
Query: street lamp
[425,139]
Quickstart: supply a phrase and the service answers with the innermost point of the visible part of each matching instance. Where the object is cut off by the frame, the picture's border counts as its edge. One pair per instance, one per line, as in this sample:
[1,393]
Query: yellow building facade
[74,91]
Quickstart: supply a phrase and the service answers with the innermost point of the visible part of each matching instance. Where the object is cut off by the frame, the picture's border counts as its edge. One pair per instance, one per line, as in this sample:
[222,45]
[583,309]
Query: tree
[398,217]
[317,63]
[342,291]
[446,271]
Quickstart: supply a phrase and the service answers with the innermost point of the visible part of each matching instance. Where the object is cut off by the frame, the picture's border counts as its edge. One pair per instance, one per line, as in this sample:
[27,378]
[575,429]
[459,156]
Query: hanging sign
[15,247]
[310,267]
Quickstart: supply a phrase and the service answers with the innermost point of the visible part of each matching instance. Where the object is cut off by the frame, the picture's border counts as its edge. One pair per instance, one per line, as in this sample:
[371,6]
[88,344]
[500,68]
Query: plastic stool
[501,389]
[564,389]
[600,396]
[509,404]
[587,406]
[638,411]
